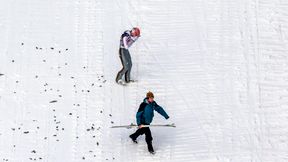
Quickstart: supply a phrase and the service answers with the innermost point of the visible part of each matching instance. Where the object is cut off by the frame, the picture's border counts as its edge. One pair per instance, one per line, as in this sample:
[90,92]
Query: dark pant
[126,63]
[141,131]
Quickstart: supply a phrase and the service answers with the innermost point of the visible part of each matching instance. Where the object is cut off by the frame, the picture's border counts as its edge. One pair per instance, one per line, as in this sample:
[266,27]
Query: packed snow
[219,68]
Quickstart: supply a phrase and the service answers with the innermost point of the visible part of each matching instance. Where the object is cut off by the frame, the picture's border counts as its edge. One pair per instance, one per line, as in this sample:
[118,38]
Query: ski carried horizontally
[152,125]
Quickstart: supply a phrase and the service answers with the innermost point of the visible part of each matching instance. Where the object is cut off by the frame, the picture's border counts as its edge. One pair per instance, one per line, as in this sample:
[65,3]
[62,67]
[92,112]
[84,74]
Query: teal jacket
[145,112]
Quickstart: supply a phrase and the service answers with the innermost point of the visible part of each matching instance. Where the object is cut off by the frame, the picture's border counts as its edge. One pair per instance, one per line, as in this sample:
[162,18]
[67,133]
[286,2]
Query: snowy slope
[219,68]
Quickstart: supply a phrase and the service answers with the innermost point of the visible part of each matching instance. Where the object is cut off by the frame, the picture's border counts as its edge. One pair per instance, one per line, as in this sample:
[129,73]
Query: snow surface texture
[218,67]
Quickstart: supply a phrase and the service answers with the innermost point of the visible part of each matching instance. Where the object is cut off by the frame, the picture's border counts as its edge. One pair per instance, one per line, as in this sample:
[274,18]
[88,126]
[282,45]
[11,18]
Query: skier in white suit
[126,40]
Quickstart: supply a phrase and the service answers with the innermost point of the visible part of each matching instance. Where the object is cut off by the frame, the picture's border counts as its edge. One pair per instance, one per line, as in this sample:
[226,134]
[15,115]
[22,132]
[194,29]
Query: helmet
[136,31]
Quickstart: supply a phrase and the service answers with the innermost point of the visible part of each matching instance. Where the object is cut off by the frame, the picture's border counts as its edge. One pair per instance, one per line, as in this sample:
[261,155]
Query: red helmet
[135,31]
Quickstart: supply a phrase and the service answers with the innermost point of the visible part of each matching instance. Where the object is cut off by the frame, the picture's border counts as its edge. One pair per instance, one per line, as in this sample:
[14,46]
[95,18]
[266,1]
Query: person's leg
[124,64]
[139,132]
[149,139]
[129,66]
[148,135]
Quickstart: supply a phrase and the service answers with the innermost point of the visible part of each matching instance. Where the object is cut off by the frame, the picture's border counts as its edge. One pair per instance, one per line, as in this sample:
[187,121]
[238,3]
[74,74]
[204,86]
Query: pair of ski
[143,126]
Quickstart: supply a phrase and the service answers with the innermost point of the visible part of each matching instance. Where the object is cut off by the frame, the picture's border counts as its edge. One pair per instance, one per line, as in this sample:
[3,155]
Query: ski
[152,125]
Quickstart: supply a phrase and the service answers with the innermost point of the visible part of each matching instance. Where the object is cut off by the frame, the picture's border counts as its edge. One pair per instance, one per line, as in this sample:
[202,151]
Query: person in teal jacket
[145,116]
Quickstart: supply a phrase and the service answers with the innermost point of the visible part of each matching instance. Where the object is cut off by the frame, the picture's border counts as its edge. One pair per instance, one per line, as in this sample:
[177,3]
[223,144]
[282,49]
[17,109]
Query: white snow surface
[218,67]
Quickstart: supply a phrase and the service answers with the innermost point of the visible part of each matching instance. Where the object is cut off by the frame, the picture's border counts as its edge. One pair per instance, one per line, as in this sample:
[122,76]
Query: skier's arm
[161,111]
[130,41]
[135,38]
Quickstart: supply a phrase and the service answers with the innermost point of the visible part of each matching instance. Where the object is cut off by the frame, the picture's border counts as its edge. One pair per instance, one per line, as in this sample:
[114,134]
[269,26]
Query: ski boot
[121,82]
[150,148]
[133,139]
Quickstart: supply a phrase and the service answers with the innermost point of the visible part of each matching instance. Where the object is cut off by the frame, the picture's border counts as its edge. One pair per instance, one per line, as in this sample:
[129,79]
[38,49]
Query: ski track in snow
[219,68]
